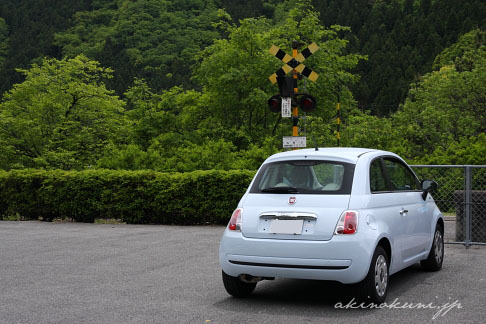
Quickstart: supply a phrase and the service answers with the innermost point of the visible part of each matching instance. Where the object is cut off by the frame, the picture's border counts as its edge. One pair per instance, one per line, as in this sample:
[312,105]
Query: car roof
[344,154]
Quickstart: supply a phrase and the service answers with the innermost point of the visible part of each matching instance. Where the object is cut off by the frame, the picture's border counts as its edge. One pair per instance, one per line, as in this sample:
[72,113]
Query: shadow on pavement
[292,296]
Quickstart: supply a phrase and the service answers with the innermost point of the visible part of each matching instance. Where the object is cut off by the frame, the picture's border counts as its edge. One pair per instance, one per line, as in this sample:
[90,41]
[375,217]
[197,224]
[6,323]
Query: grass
[108,221]
[17,218]
[13,218]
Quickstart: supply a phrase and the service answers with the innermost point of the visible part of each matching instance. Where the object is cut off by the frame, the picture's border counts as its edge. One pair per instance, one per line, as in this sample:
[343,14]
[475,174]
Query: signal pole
[295,112]
[338,119]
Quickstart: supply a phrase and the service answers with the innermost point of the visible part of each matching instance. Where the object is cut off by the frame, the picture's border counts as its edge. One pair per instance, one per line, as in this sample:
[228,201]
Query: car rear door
[297,200]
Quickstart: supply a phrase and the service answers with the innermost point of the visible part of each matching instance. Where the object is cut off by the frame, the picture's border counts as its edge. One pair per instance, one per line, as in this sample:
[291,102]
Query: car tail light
[235,221]
[348,223]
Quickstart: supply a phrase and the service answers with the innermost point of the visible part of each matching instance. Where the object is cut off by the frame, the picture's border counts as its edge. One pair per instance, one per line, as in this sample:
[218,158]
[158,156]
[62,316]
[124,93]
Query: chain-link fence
[462,199]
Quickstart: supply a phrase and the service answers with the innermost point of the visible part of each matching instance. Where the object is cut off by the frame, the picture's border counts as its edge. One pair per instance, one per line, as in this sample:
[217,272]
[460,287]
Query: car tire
[374,287]
[237,288]
[436,254]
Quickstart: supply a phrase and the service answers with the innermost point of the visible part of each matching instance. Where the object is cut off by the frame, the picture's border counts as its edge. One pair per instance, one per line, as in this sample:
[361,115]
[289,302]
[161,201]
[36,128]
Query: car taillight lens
[235,221]
[348,223]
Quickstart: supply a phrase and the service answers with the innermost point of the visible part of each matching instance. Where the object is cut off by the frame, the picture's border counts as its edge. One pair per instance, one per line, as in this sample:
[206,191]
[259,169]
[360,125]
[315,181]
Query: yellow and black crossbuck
[294,63]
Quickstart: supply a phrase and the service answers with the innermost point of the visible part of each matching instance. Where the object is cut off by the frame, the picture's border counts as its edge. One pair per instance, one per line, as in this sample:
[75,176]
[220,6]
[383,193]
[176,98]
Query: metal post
[338,120]
[468,177]
[295,109]
[338,114]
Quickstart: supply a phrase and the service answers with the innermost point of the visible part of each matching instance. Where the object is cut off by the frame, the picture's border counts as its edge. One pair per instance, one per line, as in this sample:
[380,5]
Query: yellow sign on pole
[294,63]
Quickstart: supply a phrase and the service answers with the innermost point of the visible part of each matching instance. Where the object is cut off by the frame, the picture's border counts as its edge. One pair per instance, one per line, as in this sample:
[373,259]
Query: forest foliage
[182,85]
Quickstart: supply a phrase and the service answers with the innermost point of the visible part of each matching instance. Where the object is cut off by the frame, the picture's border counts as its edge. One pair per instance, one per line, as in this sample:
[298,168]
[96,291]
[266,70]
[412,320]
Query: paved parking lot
[86,273]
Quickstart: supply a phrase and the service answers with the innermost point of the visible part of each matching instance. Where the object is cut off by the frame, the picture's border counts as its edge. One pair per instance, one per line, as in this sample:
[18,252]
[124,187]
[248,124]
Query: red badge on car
[292,200]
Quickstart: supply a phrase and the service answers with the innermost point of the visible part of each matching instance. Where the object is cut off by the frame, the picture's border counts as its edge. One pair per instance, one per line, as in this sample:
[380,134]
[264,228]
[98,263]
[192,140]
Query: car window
[304,176]
[330,175]
[401,177]
[377,179]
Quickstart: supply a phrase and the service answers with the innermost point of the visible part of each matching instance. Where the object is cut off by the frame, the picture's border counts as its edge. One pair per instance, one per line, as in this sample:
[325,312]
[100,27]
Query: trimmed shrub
[137,197]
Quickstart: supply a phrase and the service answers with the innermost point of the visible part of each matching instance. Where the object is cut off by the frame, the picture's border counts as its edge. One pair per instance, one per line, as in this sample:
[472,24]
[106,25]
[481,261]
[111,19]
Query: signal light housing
[236,219]
[348,223]
[307,103]
[275,104]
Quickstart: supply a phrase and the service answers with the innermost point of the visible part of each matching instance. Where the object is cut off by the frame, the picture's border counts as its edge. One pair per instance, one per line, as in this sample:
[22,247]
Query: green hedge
[137,197]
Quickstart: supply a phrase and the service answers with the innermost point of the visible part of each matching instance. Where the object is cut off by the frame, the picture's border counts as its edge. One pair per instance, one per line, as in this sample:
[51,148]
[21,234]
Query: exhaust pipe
[246,278]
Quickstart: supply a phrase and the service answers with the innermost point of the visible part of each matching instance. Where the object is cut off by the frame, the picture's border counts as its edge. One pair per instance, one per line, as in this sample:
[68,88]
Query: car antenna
[317,147]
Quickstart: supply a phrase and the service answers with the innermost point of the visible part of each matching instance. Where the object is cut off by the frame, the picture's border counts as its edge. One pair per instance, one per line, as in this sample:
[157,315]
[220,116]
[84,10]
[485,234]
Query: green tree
[464,53]
[61,116]
[242,61]
[446,108]
[152,39]
[227,124]
[364,130]
[3,41]
[420,30]
[31,28]
[244,9]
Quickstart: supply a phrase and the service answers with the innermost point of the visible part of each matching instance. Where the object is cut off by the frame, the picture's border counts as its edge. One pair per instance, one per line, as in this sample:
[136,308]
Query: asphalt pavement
[94,273]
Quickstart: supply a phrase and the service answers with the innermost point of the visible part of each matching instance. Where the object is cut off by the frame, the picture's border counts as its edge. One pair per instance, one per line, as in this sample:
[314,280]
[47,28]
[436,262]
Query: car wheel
[374,287]
[237,288]
[436,254]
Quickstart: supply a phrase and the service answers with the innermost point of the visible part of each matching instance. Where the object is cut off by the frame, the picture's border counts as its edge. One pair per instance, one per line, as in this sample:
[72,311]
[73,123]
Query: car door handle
[403,212]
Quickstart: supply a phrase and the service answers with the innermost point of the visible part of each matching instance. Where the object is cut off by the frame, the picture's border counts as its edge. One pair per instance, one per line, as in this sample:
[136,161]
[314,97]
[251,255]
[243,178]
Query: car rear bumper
[343,258]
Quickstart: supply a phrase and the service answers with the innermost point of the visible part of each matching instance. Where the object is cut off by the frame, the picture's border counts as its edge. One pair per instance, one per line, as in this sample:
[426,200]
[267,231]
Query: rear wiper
[281,189]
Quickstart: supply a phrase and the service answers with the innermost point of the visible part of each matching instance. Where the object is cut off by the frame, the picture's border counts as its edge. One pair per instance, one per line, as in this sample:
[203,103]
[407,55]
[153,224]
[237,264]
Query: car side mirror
[428,186]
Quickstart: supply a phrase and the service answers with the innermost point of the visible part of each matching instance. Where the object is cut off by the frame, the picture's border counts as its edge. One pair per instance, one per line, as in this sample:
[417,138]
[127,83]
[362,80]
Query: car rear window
[305,176]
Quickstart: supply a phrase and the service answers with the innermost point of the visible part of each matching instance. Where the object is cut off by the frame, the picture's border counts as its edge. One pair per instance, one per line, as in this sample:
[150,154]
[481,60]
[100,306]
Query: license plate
[286,226]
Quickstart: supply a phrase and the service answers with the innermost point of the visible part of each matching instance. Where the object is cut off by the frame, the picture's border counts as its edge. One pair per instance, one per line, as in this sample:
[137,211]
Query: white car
[345,214]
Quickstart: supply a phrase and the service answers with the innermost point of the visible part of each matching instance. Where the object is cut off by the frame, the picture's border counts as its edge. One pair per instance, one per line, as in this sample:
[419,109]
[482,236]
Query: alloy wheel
[381,275]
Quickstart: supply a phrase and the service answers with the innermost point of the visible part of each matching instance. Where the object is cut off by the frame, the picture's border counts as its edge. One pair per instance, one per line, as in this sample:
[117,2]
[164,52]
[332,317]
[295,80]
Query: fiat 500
[351,215]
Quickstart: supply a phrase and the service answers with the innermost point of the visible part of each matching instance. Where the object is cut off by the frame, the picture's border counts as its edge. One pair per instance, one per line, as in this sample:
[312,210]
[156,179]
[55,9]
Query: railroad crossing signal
[287,98]
[294,63]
